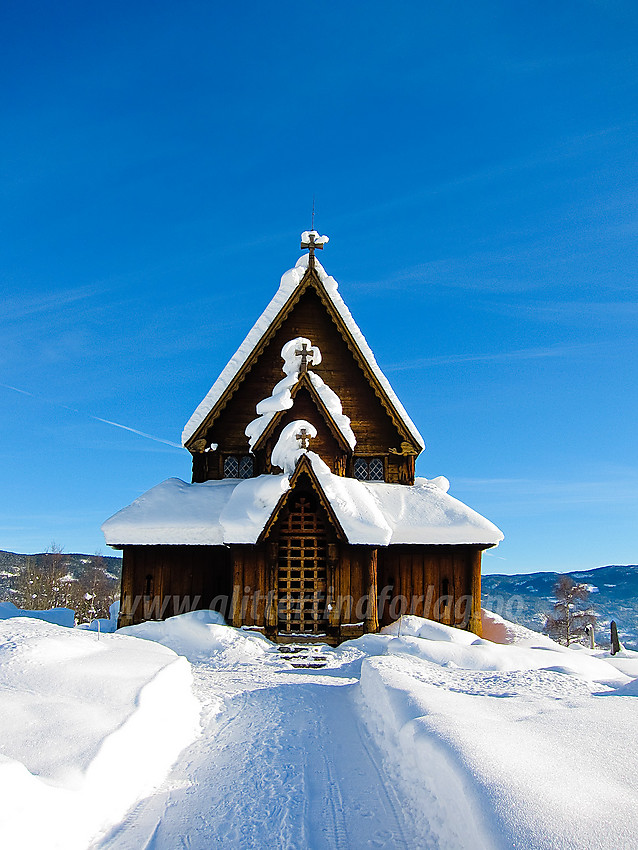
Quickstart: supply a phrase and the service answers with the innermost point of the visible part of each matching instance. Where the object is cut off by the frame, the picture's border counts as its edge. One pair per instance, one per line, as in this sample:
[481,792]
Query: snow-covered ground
[427,738]
[88,725]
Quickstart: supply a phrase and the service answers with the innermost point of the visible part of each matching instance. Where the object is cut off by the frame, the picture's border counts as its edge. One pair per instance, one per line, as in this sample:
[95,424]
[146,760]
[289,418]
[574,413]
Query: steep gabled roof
[293,283]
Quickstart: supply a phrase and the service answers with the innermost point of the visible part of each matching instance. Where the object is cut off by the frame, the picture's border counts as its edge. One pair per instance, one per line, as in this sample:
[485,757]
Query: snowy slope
[521,745]
[87,726]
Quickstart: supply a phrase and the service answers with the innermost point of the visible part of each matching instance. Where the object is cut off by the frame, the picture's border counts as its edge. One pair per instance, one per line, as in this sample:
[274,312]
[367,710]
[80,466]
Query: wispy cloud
[565,148]
[16,390]
[18,308]
[576,310]
[95,418]
[547,490]
[497,356]
[132,430]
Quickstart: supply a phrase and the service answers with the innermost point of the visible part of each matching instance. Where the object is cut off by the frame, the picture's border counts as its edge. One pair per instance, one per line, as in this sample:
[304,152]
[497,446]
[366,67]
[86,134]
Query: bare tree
[50,581]
[44,581]
[95,593]
[571,615]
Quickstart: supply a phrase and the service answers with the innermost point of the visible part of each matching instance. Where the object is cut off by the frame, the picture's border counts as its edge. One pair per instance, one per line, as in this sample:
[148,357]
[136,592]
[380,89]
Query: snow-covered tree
[571,614]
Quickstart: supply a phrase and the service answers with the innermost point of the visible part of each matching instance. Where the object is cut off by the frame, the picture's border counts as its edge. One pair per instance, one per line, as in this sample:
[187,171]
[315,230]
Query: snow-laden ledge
[234,511]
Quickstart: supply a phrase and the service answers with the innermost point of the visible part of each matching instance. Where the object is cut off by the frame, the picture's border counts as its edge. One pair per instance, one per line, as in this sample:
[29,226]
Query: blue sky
[475,167]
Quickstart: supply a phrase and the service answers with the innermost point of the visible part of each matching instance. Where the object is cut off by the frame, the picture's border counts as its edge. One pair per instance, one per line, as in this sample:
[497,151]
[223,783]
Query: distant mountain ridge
[526,599]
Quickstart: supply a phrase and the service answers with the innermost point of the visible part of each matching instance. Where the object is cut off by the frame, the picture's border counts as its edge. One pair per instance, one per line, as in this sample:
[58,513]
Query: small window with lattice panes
[231,467]
[369,469]
[238,466]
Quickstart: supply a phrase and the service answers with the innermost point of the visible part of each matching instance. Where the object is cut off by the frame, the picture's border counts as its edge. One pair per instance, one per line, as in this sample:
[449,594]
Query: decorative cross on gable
[304,439]
[306,354]
[312,241]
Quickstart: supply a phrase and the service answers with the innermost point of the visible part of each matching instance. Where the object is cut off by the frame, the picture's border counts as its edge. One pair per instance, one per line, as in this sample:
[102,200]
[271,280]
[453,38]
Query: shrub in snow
[101,624]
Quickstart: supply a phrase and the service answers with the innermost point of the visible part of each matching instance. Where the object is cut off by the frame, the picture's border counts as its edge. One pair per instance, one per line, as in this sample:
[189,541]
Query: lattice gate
[302,572]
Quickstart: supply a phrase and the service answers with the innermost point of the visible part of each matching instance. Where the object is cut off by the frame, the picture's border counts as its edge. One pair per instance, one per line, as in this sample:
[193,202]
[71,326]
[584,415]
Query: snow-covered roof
[289,282]
[234,511]
[173,512]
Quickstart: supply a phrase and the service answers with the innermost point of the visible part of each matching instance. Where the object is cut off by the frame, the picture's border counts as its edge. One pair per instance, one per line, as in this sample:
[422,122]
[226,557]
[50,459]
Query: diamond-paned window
[231,467]
[246,466]
[369,469]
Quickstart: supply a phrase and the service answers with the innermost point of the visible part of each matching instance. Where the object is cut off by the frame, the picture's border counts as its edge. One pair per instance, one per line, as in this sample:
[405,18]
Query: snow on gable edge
[290,280]
[330,285]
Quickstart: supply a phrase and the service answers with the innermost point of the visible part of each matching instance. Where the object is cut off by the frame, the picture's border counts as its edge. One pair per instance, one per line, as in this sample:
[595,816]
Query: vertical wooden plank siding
[372,619]
[238,585]
[476,624]
[185,578]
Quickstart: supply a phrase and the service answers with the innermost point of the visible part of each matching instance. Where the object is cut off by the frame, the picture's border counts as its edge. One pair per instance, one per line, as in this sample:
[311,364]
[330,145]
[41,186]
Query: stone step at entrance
[303,656]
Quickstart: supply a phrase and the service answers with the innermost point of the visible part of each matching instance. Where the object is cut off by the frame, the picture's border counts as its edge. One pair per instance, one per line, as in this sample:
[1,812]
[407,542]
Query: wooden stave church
[355,583]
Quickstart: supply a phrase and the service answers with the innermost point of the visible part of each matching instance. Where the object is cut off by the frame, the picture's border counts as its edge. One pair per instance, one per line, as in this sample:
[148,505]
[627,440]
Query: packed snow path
[283,761]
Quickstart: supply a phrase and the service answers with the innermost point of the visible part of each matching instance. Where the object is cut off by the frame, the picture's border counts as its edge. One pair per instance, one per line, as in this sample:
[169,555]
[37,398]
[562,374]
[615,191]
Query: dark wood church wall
[162,581]
[438,582]
[350,587]
[400,469]
[372,425]
[251,583]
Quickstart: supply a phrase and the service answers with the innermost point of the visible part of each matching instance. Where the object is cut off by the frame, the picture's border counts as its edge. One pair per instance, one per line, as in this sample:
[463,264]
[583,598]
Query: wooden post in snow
[615,643]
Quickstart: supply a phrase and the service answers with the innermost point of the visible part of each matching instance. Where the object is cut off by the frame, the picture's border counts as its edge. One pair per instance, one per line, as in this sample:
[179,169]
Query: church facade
[304,519]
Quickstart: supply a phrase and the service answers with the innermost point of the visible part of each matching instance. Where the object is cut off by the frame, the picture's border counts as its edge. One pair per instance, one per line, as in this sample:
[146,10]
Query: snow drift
[87,727]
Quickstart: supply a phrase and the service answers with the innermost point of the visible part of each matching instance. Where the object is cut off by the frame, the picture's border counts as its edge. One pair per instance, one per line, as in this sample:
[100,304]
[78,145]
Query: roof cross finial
[310,239]
[304,438]
[310,243]
[306,354]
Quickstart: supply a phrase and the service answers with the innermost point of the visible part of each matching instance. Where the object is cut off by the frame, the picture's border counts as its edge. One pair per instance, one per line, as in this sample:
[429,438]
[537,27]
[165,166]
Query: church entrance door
[302,571]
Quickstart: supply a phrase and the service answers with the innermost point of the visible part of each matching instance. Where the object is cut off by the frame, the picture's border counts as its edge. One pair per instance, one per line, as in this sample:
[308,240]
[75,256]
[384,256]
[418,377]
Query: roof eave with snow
[218,513]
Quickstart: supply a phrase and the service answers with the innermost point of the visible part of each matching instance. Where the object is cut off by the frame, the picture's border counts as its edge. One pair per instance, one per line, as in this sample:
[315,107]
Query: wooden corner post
[372,614]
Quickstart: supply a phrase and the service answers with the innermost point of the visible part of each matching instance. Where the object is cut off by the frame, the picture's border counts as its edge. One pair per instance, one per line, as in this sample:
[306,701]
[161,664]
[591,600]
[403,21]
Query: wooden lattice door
[302,572]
